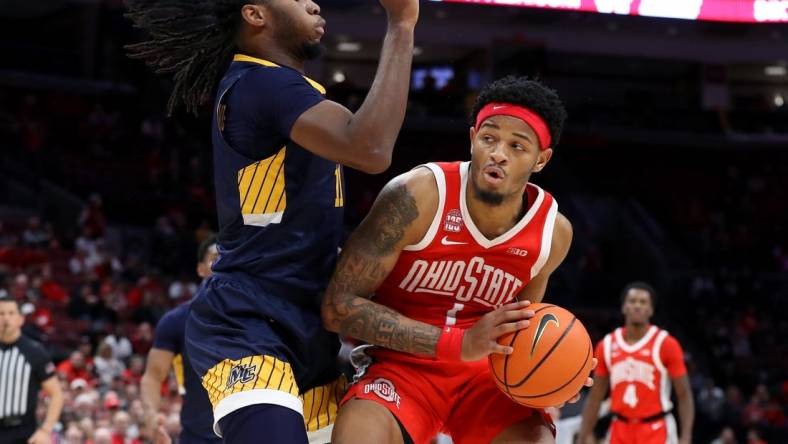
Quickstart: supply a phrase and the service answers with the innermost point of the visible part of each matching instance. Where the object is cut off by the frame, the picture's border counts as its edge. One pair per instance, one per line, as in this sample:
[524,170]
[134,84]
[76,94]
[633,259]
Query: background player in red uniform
[638,363]
[453,253]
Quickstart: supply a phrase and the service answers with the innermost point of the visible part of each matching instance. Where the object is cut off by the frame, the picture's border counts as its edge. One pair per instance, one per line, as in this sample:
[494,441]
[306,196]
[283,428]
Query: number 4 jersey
[640,373]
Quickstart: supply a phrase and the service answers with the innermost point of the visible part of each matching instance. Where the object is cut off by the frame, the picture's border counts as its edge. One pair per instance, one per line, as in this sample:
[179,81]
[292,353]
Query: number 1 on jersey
[451,314]
[339,200]
[631,396]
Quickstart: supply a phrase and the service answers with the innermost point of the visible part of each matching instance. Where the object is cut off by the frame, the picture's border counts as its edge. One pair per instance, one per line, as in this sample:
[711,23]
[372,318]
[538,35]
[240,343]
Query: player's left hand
[40,437]
[589,383]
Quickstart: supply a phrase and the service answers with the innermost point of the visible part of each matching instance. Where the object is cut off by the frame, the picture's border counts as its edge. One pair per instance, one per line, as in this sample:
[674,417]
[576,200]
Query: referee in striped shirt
[24,369]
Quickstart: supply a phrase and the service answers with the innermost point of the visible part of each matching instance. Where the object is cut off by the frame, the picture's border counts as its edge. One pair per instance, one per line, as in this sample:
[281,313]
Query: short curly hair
[640,285]
[527,93]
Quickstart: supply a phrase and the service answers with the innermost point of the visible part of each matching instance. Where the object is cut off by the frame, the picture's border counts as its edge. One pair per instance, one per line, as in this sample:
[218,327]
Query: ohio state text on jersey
[640,373]
[454,275]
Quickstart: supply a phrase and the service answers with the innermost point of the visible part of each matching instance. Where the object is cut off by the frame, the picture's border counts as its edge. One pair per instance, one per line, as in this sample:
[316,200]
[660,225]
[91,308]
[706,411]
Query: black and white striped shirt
[24,365]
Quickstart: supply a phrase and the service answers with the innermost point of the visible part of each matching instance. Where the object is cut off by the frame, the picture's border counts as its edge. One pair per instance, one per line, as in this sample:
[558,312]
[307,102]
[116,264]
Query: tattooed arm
[397,219]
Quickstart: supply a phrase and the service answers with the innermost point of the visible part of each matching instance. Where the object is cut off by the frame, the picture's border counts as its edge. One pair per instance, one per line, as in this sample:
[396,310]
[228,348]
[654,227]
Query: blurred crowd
[94,285]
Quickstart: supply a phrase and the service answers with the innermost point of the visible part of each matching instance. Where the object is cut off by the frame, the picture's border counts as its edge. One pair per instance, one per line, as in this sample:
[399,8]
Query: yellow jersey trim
[177,367]
[250,59]
[250,373]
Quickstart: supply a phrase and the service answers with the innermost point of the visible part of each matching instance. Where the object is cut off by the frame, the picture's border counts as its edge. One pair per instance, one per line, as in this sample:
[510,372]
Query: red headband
[524,114]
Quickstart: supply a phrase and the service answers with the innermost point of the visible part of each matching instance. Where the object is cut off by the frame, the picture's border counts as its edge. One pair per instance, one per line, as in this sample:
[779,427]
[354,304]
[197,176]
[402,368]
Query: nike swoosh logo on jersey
[446,241]
[656,426]
[546,319]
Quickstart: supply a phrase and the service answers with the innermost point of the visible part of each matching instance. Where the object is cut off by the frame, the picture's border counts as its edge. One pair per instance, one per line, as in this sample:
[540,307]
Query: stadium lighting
[349,47]
[775,70]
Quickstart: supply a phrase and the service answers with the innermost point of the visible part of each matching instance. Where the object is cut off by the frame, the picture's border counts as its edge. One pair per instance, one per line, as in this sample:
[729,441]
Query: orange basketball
[551,360]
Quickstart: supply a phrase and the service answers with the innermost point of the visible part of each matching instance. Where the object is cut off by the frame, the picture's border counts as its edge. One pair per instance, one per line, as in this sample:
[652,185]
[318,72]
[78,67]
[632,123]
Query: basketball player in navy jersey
[254,334]
[168,351]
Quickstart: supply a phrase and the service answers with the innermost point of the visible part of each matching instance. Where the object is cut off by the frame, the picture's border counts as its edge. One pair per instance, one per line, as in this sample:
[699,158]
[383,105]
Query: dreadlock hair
[527,93]
[192,39]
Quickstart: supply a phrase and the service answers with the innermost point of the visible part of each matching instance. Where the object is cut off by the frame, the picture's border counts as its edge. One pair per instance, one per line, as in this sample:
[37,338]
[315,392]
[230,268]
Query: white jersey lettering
[461,280]
[633,370]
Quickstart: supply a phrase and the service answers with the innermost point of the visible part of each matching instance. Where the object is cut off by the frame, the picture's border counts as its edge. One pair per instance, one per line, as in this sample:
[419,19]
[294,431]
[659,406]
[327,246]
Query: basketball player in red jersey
[639,363]
[453,252]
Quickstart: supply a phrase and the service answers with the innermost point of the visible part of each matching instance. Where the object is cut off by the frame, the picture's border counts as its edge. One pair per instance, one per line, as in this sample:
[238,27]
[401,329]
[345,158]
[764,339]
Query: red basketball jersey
[640,373]
[454,275]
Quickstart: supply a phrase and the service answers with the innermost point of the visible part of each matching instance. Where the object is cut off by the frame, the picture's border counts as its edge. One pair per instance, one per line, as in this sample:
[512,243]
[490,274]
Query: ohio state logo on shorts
[384,389]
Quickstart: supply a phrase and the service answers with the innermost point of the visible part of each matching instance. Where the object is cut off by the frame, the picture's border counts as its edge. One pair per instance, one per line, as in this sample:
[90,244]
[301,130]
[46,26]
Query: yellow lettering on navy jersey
[339,200]
[250,373]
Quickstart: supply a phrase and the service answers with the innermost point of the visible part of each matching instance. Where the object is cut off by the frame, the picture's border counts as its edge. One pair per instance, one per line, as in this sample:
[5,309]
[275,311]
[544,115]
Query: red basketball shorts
[428,397]
[661,431]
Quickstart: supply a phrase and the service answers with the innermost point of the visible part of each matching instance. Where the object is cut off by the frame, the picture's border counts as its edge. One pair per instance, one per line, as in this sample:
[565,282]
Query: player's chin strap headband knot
[526,115]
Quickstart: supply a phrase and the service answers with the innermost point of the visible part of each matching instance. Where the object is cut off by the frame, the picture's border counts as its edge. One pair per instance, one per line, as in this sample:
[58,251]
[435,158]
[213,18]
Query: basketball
[551,360]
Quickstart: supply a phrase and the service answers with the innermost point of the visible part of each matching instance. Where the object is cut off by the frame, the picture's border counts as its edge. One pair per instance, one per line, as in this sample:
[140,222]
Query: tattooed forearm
[380,325]
[368,258]
[347,311]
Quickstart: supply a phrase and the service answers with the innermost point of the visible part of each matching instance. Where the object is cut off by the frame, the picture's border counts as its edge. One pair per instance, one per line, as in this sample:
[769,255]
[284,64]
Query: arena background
[673,170]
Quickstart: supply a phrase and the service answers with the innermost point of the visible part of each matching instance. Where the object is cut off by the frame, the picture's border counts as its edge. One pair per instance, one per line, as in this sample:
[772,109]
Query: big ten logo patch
[517,251]
[453,221]
[241,374]
[384,389]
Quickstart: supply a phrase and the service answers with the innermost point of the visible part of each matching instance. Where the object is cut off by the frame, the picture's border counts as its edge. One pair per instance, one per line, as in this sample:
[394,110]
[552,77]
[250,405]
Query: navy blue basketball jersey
[196,412]
[280,206]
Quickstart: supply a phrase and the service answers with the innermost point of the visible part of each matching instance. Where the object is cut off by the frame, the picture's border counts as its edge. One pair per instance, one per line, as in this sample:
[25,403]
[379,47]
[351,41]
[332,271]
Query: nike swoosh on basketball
[546,319]
[446,241]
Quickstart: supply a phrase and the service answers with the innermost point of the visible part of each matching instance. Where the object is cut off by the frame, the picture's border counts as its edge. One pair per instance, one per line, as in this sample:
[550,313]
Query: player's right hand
[402,11]
[154,423]
[482,339]
[161,436]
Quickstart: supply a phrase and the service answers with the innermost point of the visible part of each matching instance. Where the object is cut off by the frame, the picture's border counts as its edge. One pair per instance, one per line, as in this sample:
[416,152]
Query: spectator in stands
[132,375]
[78,386]
[78,263]
[107,366]
[88,428]
[74,435]
[36,235]
[754,437]
[142,340]
[754,413]
[711,401]
[112,401]
[92,217]
[85,405]
[733,405]
[121,346]
[75,368]
[103,435]
[124,432]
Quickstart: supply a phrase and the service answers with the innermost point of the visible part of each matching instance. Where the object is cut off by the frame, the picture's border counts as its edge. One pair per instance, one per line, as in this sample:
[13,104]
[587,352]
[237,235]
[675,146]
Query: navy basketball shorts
[250,347]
